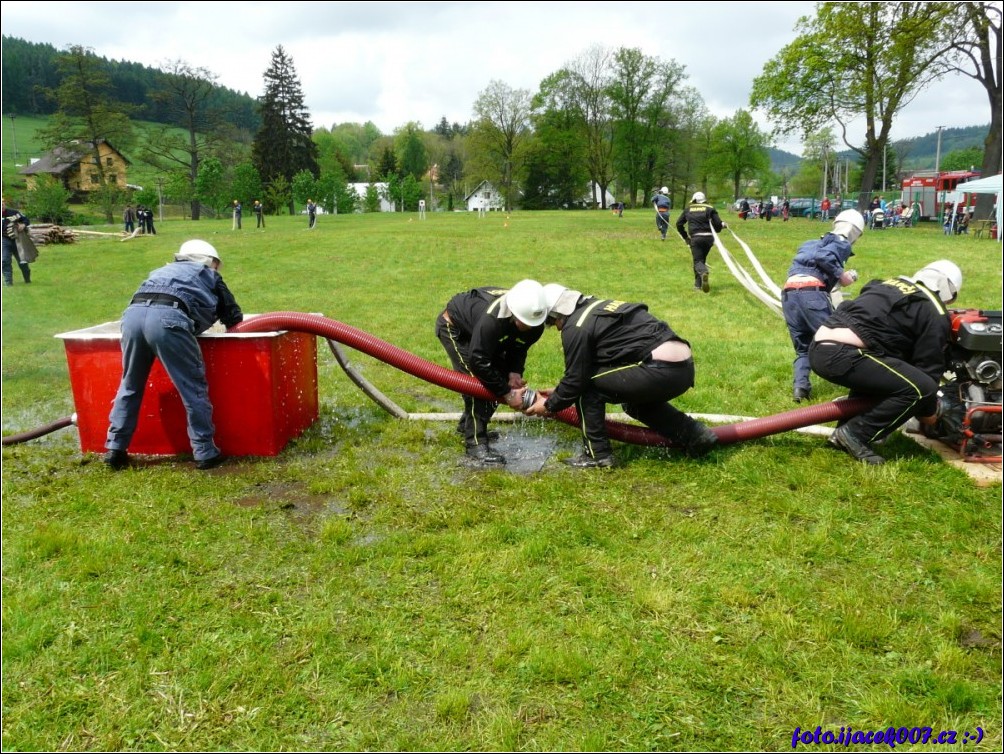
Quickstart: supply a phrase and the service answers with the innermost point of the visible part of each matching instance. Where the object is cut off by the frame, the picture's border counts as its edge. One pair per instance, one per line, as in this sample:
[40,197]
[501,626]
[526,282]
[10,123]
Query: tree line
[616,119]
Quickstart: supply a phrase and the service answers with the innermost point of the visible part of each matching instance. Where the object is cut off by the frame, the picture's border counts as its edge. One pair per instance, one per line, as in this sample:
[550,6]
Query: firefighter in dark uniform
[486,333]
[699,218]
[889,343]
[617,352]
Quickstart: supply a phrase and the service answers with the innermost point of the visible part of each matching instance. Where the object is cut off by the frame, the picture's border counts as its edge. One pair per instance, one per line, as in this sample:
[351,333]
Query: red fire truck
[931,190]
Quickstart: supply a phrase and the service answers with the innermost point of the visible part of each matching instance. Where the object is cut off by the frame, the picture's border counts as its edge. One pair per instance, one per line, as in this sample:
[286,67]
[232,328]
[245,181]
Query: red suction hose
[468,385]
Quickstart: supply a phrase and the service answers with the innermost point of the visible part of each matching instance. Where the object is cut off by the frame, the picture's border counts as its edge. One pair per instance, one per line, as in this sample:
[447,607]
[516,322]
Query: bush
[47,201]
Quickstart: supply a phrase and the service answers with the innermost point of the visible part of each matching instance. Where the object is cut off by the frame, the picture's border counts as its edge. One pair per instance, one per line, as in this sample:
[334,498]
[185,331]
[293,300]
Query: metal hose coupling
[529,398]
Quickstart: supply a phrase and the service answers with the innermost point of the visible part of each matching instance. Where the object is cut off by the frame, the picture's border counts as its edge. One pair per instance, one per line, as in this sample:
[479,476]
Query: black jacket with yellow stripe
[604,333]
[900,318]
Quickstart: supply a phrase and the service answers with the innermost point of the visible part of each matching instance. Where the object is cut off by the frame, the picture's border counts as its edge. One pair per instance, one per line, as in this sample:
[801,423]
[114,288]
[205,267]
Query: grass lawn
[363,591]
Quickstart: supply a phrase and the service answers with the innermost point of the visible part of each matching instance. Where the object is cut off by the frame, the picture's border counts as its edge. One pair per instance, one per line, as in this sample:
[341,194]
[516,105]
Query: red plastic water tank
[263,387]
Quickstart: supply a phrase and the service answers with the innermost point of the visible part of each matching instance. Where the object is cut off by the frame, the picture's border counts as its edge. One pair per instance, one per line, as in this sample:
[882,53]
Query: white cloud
[395,62]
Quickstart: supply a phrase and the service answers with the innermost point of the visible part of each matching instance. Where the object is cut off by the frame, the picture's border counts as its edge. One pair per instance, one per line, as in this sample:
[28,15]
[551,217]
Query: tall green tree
[387,166]
[557,175]
[641,95]
[856,62]
[977,54]
[87,116]
[246,183]
[500,136]
[412,156]
[186,97]
[582,90]
[211,185]
[738,149]
[283,145]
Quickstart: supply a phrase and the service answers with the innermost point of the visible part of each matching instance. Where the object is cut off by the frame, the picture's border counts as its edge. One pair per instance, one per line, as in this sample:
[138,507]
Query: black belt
[164,299]
[805,288]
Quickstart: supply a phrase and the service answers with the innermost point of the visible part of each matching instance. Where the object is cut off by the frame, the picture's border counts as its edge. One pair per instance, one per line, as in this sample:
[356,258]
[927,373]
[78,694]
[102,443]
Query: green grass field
[364,591]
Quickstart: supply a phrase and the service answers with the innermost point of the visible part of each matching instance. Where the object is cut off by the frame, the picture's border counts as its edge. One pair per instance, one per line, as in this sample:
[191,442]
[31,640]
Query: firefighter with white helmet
[174,304]
[663,204]
[815,273]
[890,343]
[487,332]
[695,225]
[617,352]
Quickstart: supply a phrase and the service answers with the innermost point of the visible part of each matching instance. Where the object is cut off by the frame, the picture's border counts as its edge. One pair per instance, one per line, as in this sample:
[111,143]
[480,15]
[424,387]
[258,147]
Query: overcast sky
[393,62]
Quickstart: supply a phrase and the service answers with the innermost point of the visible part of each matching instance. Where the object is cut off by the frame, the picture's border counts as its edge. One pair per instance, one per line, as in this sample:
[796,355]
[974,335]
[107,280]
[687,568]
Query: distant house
[386,204]
[592,199]
[74,167]
[484,197]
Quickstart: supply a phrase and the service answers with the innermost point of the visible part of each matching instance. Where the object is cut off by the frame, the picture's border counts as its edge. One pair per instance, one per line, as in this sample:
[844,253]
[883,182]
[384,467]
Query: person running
[700,218]
[663,205]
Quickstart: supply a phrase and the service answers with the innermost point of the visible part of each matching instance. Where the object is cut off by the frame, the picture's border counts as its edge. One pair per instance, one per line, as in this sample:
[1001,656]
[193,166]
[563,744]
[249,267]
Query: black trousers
[477,412]
[903,390]
[645,390]
[700,247]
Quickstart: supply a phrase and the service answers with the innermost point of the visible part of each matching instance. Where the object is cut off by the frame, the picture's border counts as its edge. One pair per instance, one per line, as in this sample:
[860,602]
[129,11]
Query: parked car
[809,208]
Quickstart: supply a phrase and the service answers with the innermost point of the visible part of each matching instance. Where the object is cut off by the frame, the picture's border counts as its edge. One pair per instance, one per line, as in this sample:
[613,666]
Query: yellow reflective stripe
[905,379]
[617,369]
[496,302]
[938,304]
[585,314]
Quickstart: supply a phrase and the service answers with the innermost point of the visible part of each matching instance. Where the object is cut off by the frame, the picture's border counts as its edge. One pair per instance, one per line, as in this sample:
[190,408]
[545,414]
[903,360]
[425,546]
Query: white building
[484,197]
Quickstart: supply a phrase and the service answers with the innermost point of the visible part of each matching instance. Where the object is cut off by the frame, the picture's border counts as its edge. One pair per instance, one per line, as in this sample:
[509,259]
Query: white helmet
[552,292]
[527,302]
[850,224]
[942,277]
[699,197]
[197,250]
[664,190]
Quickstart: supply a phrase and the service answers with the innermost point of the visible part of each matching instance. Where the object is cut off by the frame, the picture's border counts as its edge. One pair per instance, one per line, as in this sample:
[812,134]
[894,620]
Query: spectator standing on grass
[13,221]
[699,219]
[617,352]
[174,304]
[824,209]
[890,343]
[816,270]
[129,218]
[487,333]
[148,222]
[238,211]
[259,214]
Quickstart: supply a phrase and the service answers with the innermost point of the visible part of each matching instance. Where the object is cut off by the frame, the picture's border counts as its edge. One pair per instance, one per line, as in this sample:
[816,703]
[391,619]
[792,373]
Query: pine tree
[283,146]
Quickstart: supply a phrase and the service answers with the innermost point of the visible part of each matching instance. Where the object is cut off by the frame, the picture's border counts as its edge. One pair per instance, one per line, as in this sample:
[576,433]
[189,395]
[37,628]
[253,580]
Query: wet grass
[365,591]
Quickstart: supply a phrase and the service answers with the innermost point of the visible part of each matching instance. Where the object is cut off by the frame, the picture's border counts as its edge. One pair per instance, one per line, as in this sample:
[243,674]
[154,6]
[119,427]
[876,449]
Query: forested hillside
[30,69]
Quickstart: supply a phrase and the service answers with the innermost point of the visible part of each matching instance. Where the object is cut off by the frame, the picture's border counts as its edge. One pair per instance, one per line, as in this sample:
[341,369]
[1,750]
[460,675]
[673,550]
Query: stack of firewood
[47,234]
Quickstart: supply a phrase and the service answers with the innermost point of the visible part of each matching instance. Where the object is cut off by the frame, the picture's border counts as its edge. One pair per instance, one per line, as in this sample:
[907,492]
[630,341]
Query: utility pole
[937,154]
[13,135]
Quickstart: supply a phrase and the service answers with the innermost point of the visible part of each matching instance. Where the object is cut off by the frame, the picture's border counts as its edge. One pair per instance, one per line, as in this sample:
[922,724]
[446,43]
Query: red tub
[263,387]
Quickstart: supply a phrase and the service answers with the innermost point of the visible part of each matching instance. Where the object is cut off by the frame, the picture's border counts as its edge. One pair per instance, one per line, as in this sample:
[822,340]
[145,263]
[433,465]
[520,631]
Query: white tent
[993,184]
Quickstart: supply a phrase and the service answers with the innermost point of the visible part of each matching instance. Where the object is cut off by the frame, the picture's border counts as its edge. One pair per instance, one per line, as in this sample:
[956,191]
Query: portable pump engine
[970,399]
